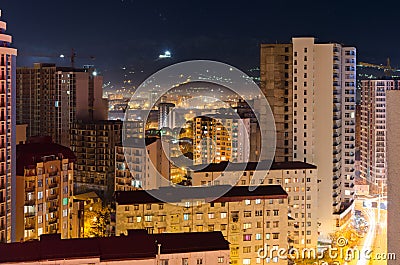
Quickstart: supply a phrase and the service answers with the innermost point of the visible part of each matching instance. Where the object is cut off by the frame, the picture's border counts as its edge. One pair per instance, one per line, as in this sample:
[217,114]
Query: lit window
[247,237]
[246,261]
[247,214]
[247,202]
[246,225]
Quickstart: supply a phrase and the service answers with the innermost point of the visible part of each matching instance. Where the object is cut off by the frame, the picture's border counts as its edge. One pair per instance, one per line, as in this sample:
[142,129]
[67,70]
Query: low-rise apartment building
[249,220]
[298,179]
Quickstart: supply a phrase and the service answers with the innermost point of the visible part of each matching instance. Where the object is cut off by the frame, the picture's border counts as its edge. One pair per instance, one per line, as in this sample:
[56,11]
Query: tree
[97,221]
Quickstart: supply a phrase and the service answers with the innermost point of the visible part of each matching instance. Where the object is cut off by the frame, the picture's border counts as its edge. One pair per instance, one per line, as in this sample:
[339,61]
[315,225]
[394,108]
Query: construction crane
[388,69]
[72,57]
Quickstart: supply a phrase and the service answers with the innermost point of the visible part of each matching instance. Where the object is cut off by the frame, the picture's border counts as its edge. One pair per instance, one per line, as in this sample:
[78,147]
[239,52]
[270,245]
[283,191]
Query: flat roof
[137,245]
[179,194]
[263,165]
[30,154]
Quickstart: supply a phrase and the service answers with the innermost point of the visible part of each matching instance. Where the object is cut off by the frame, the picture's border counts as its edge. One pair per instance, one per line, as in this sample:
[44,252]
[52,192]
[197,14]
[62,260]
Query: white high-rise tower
[312,89]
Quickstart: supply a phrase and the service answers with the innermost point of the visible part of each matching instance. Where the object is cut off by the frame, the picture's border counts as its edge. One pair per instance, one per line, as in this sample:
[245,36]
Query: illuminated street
[375,239]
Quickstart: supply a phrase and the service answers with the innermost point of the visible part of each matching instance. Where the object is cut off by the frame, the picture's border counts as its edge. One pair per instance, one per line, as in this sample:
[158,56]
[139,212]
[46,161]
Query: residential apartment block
[45,174]
[220,137]
[248,220]
[141,163]
[393,171]
[298,179]
[50,98]
[312,89]
[8,60]
[373,146]
[94,145]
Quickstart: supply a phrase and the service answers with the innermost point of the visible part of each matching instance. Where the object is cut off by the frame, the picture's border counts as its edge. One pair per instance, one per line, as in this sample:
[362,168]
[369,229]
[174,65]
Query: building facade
[7,135]
[164,120]
[393,174]
[298,179]
[276,76]
[138,166]
[220,137]
[373,146]
[138,248]
[44,189]
[94,145]
[312,87]
[248,220]
[65,94]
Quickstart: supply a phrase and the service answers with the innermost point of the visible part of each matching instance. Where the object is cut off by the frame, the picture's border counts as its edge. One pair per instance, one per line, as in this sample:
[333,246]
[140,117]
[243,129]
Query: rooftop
[179,194]
[263,165]
[137,245]
[38,150]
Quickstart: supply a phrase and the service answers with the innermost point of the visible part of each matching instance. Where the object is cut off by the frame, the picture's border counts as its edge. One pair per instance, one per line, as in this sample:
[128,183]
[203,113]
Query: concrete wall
[323,131]
[393,158]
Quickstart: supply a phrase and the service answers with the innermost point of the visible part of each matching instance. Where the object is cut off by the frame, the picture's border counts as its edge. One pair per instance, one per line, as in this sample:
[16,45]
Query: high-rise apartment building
[138,166]
[373,146]
[45,173]
[164,110]
[276,73]
[311,88]
[51,98]
[94,145]
[7,135]
[220,137]
[248,220]
[393,171]
[298,179]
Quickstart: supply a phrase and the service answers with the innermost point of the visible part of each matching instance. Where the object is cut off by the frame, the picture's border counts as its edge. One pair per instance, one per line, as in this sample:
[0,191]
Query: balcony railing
[30,214]
[53,220]
[53,185]
[30,189]
[52,197]
[30,202]
[53,208]
[29,226]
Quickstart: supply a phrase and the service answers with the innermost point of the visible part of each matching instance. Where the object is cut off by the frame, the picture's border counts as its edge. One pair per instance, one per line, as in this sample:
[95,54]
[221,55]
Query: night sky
[130,33]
